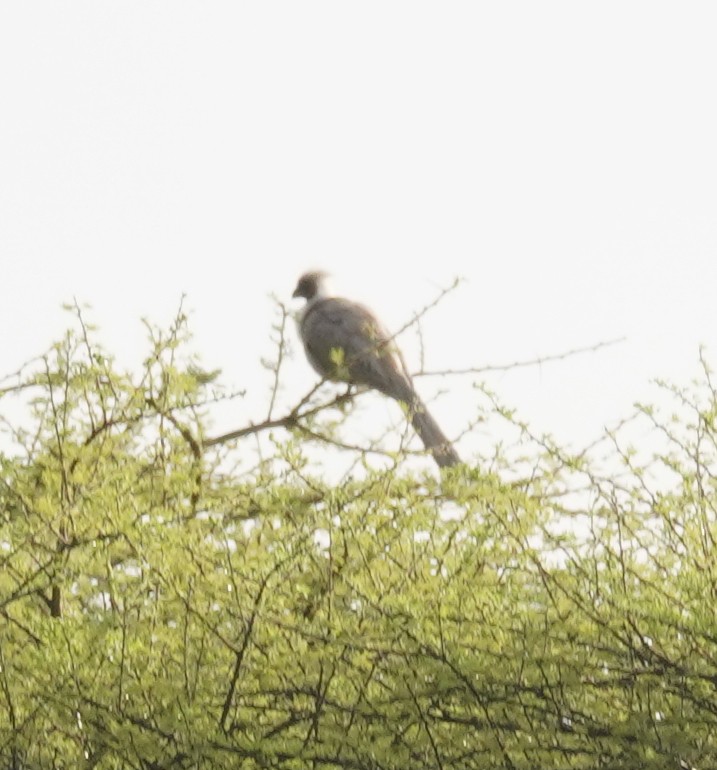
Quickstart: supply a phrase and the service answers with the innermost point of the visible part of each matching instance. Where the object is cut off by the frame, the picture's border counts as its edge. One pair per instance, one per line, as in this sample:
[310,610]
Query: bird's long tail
[432,436]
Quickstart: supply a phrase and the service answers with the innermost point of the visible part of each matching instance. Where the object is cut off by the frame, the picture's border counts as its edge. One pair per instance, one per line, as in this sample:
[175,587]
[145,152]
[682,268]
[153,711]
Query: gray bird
[344,342]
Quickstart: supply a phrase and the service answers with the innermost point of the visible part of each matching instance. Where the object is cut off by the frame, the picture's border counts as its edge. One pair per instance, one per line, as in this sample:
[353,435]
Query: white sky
[561,156]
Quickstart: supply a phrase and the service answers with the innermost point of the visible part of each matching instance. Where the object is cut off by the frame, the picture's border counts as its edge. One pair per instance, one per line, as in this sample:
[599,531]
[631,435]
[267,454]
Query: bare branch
[281,349]
[290,420]
[419,315]
[520,364]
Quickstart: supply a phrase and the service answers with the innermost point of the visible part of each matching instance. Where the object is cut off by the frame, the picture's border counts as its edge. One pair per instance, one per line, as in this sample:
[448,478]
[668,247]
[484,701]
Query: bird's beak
[296,292]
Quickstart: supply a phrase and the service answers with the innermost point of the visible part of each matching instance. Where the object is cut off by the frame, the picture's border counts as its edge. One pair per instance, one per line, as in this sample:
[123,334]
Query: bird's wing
[345,341]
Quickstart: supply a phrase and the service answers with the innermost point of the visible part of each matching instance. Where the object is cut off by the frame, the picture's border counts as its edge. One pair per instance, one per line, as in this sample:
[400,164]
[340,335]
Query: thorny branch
[522,363]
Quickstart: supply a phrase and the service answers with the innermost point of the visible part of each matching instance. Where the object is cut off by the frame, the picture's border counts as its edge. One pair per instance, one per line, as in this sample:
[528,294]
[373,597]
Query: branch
[290,420]
[519,364]
[34,383]
[281,345]
[417,316]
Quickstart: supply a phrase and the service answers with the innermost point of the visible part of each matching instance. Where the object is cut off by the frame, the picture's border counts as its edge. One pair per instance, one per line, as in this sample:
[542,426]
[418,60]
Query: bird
[345,342]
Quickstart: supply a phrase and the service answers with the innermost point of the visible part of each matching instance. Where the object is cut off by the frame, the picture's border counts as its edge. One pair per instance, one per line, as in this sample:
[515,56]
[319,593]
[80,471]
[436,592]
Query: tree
[159,609]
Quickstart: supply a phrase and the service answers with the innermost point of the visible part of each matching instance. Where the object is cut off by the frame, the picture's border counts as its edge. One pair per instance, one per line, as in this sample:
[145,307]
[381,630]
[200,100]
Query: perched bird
[345,342]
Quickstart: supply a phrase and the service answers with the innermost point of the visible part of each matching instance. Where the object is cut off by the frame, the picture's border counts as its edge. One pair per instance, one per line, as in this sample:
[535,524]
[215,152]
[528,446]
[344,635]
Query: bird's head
[312,285]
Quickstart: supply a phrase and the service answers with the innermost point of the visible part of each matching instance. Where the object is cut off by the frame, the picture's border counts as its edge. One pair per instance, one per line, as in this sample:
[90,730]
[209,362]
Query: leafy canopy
[160,608]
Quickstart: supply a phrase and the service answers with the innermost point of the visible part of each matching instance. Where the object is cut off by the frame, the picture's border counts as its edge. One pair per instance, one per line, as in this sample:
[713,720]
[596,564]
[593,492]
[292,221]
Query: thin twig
[417,316]
[279,358]
[520,364]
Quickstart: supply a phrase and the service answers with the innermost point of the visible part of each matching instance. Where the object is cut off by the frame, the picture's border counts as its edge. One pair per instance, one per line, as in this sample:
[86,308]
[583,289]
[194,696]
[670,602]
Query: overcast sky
[560,156]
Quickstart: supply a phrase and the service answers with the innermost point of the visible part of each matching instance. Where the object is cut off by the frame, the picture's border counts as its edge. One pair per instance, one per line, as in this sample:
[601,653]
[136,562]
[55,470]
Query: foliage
[158,609]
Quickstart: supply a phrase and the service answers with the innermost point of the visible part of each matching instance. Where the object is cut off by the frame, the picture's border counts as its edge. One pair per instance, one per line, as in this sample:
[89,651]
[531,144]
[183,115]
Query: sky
[559,157]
